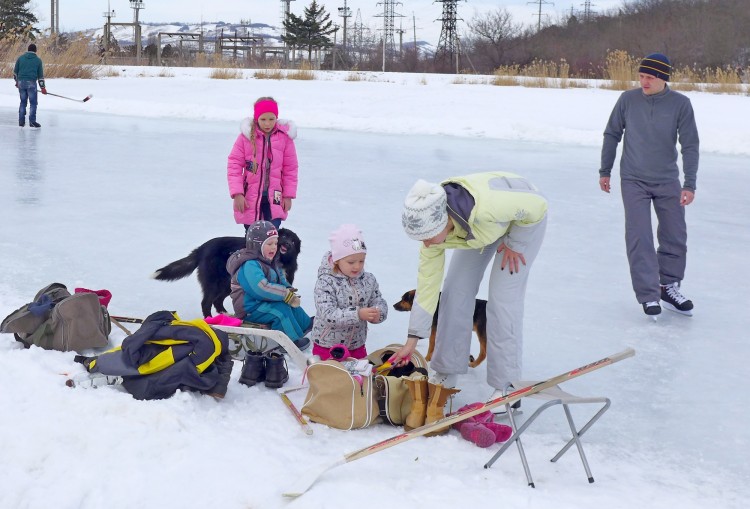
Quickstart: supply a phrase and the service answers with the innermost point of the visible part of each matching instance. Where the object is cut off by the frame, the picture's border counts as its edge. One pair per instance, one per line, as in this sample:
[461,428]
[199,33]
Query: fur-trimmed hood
[282,125]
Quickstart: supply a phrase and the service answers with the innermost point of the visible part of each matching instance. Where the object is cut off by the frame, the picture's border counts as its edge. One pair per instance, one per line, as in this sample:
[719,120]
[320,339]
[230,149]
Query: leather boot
[417,384]
[276,371]
[438,396]
[253,369]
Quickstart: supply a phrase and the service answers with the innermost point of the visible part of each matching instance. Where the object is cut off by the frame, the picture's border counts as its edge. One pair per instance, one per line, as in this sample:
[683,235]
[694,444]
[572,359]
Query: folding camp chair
[553,396]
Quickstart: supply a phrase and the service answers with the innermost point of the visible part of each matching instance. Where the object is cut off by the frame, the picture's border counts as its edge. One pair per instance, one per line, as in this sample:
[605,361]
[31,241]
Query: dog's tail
[178,269]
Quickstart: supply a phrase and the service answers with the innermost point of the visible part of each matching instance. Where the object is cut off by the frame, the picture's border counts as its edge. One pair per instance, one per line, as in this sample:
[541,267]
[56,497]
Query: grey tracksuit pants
[666,264]
[505,304]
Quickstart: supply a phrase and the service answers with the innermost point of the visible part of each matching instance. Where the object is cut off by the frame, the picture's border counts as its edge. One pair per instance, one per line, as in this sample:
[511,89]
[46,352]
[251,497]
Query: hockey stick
[307,480]
[126,319]
[297,415]
[71,99]
[121,326]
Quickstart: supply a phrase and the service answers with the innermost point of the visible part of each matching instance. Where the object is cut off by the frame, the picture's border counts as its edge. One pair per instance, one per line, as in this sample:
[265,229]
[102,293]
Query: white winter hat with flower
[425,211]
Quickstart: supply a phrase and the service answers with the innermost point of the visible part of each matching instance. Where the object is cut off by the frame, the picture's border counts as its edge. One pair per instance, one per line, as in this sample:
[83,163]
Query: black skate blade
[667,305]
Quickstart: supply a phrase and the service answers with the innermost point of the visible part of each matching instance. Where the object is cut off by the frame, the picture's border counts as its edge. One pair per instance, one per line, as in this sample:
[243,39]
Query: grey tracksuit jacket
[651,126]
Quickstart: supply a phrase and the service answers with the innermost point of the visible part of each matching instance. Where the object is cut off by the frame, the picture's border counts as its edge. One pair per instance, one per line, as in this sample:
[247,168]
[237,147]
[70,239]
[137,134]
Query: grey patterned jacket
[337,301]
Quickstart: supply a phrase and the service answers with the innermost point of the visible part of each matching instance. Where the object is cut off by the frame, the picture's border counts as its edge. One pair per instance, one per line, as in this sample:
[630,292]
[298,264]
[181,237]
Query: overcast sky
[82,14]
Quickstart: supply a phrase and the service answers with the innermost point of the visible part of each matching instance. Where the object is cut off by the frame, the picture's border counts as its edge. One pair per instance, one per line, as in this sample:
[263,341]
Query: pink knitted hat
[345,241]
[265,106]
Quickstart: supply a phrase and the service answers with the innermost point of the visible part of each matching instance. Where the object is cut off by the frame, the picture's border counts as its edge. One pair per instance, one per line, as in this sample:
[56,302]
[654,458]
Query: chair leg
[578,434]
[521,452]
[516,438]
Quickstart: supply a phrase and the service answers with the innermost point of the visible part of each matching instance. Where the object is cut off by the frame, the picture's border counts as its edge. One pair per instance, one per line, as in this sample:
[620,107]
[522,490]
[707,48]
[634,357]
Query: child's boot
[253,369]
[438,396]
[276,371]
[502,432]
[417,384]
[478,433]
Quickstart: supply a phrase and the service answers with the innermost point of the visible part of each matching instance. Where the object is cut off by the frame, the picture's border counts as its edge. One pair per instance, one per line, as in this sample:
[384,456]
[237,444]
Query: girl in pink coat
[262,166]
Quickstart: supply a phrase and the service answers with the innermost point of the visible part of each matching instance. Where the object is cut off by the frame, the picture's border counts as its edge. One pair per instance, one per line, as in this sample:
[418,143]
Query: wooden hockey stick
[307,480]
[297,415]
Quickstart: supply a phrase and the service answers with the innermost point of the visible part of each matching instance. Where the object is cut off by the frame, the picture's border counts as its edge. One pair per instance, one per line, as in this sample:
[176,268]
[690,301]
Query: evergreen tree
[16,19]
[310,31]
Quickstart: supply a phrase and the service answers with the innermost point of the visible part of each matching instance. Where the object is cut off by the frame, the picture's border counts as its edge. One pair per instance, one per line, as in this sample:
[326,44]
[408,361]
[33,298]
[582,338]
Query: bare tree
[492,34]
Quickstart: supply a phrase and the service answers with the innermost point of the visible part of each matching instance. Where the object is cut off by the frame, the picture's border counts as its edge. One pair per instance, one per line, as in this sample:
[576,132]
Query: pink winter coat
[282,181]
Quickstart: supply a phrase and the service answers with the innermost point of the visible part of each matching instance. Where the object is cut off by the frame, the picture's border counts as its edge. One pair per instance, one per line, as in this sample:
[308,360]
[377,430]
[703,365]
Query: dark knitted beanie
[657,65]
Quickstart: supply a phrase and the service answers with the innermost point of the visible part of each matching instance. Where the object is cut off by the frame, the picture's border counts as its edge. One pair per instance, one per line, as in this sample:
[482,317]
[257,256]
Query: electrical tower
[448,47]
[54,19]
[389,27]
[136,5]
[345,12]
[588,14]
[539,14]
[285,11]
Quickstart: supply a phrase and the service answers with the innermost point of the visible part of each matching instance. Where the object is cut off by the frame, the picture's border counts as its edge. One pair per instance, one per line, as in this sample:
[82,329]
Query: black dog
[211,258]
[479,320]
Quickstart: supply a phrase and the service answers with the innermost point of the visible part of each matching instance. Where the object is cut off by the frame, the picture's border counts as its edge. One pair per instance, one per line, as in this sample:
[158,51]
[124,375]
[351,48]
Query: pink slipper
[502,432]
[483,417]
[478,433]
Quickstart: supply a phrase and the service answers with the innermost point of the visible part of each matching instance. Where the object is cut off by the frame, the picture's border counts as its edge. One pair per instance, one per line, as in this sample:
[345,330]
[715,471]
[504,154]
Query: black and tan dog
[210,258]
[480,325]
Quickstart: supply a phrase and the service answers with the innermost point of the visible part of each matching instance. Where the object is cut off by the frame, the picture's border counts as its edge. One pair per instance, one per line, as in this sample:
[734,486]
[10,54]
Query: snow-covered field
[110,190]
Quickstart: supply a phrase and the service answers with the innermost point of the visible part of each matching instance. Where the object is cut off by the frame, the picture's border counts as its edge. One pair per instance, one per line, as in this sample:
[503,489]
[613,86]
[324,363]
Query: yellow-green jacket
[483,208]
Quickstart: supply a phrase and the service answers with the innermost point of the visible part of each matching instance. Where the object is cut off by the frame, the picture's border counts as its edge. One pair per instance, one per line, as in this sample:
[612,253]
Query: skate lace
[674,293]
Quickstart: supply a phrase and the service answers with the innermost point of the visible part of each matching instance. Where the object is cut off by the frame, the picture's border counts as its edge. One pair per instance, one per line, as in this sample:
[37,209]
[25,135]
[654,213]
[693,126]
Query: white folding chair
[552,396]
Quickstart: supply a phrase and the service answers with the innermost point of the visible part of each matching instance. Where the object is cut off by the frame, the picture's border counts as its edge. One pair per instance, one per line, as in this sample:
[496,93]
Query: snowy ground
[109,191]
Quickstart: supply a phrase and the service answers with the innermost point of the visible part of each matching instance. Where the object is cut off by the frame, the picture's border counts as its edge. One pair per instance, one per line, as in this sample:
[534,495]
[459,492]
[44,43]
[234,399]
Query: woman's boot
[438,396]
[417,384]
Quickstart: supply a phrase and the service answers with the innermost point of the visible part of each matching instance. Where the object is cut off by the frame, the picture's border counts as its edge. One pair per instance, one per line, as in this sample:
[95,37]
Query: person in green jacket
[493,217]
[27,71]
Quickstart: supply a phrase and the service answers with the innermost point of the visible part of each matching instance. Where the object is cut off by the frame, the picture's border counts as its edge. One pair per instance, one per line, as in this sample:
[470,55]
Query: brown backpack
[338,399]
[57,320]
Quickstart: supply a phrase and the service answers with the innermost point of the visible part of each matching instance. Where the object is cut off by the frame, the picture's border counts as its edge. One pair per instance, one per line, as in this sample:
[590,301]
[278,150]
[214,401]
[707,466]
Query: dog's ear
[409,296]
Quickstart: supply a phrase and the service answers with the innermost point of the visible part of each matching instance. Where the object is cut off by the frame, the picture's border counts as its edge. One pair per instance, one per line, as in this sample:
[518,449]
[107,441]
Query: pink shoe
[483,417]
[502,432]
[478,433]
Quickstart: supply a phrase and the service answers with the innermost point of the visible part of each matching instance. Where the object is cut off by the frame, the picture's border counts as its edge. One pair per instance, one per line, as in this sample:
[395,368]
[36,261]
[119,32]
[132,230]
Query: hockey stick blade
[306,481]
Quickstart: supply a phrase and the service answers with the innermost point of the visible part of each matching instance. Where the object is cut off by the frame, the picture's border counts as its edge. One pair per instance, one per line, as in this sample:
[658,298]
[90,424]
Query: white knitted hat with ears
[425,211]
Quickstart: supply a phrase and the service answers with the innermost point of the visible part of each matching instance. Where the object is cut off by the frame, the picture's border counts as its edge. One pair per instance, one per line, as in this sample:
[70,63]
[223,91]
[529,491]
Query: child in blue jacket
[260,292]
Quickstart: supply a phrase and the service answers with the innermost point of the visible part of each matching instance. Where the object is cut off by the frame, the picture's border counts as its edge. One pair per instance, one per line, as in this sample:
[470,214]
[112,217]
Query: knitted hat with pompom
[425,212]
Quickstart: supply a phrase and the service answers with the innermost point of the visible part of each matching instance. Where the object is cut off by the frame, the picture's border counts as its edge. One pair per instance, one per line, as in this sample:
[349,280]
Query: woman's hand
[403,355]
[239,203]
[286,204]
[511,258]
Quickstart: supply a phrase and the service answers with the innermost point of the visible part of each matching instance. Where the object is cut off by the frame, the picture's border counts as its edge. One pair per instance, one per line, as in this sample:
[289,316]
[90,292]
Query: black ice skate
[652,309]
[674,300]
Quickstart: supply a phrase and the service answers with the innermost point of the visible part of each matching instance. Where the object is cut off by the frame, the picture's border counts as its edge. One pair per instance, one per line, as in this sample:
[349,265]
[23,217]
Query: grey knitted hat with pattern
[425,211]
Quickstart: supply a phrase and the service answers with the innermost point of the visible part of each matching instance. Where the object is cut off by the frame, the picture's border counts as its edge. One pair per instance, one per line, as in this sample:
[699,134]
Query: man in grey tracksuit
[652,119]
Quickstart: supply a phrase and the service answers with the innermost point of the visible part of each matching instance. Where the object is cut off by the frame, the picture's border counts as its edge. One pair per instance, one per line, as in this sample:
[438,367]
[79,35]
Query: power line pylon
[285,10]
[389,27]
[448,49]
[539,14]
[54,20]
[588,14]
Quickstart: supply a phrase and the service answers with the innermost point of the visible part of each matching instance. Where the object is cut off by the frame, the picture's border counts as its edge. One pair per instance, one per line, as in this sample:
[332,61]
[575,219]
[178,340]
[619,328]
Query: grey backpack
[57,320]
